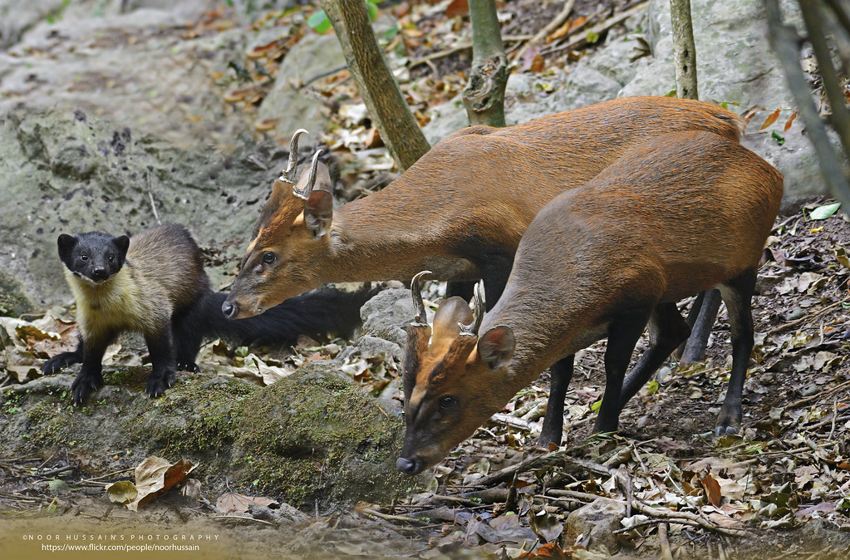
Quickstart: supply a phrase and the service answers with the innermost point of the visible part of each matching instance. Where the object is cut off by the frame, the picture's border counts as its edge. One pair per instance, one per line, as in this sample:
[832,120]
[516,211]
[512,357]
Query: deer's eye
[447,402]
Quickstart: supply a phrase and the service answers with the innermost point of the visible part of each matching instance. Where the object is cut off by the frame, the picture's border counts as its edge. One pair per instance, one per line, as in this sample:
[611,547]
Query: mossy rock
[315,435]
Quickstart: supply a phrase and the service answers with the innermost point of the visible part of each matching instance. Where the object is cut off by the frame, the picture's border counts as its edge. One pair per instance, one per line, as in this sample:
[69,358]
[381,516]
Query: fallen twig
[462,47]
[554,458]
[796,322]
[664,542]
[515,422]
[242,518]
[394,518]
[56,471]
[549,28]
[676,516]
[320,75]
[817,396]
[573,43]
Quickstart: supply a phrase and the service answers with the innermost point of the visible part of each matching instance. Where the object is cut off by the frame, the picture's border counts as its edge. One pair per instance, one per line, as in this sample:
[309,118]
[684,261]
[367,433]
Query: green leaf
[592,37]
[824,212]
[391,32]
[319,21]
[373,10]
[671,93]
[652,387]
[595,406]
[778,137]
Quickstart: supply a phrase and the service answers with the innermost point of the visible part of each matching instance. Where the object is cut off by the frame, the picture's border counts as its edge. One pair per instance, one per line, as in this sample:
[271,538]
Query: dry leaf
[712,490]
[155,476]
[457,8]
[771,118]
[790,120]
[231,502]
[122,492]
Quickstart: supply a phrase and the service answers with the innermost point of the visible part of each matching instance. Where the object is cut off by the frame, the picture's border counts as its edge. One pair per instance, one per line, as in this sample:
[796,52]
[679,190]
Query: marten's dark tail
[316,314]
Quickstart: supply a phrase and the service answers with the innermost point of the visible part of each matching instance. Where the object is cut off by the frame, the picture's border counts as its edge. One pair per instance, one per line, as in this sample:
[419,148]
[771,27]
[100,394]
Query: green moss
[314,435]
[311,436]
[200,415]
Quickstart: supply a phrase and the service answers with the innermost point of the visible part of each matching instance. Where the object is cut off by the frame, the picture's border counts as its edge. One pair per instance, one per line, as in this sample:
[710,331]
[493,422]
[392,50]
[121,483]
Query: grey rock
[372,347]
[594,524]
[283,513]
[735,64]
[387,315]
[67,172]
[295,109]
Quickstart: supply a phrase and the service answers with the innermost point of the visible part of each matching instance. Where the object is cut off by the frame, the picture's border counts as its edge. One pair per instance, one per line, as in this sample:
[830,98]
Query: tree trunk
[484,95]
[387,106]
[685,54]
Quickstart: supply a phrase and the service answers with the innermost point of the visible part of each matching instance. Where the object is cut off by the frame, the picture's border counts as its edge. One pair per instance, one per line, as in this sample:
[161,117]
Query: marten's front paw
[157,384]
[85,385]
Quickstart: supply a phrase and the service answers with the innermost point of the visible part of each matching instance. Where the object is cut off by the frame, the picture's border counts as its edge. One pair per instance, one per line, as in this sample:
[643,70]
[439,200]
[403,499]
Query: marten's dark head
[93,256]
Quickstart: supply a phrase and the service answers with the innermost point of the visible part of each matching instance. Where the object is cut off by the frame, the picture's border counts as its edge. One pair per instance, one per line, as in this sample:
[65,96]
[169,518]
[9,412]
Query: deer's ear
[496,347]
[319,212]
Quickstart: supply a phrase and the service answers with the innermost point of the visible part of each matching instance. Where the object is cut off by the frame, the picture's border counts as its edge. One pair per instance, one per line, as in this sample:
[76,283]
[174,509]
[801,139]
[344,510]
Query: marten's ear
[66,245]
[122,243]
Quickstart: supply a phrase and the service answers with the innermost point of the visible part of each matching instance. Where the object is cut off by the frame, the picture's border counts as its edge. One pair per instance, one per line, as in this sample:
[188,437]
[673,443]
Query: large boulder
[67,172]
[735,65]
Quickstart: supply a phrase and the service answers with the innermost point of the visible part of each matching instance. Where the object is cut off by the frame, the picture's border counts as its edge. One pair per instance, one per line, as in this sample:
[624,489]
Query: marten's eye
[84,256]
[269,257]
[447,402]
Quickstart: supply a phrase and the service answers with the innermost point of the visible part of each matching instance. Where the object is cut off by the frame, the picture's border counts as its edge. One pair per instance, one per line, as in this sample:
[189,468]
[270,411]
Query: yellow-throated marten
[155,283]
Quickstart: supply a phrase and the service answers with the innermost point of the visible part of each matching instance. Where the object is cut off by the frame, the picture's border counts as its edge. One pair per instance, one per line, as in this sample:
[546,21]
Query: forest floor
[776,491]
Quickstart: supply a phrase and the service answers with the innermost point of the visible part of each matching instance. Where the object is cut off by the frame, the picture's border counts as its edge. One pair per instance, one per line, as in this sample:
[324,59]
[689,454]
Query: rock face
[387,315]
[66,172]
[735,65]
[105,115]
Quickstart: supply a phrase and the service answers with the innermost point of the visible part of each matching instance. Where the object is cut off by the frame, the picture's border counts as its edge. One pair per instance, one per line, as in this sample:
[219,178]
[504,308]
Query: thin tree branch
[785,42]
[550,27]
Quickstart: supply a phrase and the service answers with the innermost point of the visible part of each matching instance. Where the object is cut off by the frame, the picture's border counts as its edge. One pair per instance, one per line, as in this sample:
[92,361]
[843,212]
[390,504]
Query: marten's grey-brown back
[166,262]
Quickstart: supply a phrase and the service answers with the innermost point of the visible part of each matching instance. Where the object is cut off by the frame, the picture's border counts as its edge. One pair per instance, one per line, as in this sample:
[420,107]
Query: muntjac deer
[459,211]
[685,212]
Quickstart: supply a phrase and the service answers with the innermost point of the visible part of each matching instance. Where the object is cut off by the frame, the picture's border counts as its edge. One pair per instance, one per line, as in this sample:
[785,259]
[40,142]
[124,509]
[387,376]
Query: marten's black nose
[230,310]
[99,273]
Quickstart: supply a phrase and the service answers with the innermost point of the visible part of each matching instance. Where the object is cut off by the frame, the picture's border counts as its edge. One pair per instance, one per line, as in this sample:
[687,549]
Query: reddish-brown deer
[460,211]
[683,213]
